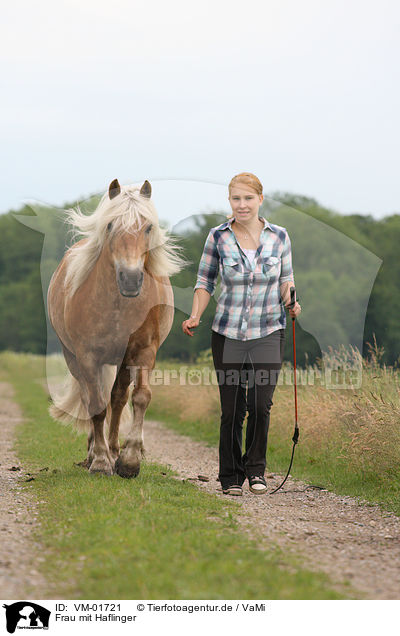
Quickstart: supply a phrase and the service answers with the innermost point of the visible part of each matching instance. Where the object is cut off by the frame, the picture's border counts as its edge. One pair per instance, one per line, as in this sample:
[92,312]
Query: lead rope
[295,437]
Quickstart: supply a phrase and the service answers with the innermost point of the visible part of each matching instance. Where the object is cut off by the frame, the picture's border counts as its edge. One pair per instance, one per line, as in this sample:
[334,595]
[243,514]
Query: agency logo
[26,615]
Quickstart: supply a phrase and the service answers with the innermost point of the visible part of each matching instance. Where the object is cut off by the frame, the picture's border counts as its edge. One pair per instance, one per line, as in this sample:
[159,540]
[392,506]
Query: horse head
[123,234]
[129,250]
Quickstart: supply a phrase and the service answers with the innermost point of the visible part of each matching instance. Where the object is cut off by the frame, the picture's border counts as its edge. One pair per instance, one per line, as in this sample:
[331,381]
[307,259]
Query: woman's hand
[190,323]
[294,311]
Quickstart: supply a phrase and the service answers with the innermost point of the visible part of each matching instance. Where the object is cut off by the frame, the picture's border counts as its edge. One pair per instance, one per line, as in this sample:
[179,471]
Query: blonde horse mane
[127,212]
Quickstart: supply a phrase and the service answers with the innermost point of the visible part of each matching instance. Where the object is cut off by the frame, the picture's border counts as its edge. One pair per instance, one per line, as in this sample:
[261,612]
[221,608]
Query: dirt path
[18,514]
[338,535]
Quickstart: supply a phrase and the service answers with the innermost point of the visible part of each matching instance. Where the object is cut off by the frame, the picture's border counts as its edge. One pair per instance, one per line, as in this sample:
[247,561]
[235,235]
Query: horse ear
[145,190]
[114,189]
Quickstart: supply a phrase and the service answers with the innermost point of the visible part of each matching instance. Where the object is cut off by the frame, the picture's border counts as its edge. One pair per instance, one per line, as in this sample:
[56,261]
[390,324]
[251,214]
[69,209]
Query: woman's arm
[285,295]
[285,291]
[206,281]
[286,280]
[201,299]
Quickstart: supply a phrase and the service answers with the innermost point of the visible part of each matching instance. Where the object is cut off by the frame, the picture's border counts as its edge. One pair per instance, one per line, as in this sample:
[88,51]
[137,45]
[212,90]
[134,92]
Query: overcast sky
[305,94]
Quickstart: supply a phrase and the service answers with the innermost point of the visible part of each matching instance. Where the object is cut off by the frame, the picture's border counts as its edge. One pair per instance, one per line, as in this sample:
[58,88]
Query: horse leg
[90,444]
[71,361]
[102,459]
[128,463]
[97,445]
[75,370]
[119,398]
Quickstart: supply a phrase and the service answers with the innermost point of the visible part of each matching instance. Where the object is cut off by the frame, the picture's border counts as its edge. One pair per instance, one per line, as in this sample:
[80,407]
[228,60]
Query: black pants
[247,372]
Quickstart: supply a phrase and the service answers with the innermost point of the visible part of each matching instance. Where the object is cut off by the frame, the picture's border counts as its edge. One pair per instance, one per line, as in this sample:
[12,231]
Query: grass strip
[149,538]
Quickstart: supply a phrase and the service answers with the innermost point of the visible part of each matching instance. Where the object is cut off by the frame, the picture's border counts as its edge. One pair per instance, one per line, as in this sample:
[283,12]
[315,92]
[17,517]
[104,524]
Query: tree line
[347,273]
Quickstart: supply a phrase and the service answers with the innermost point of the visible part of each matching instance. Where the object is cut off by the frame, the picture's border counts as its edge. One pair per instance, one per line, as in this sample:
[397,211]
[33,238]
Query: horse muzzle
[129,281]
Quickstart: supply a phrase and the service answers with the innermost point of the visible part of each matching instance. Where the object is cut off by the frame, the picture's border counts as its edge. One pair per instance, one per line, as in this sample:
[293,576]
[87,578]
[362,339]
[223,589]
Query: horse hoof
[84,464]
[114,458]
[126,471]
[101,466]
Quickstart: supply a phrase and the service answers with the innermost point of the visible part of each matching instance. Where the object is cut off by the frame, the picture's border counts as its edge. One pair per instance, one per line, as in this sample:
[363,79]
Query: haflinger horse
[111,304]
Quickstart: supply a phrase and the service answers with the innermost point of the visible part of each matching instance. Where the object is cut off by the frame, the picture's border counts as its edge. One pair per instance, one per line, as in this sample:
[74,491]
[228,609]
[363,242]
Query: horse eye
[109,226]
[148,229]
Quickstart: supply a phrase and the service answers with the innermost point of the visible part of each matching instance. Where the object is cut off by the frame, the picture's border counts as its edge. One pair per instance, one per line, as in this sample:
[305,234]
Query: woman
[254,260]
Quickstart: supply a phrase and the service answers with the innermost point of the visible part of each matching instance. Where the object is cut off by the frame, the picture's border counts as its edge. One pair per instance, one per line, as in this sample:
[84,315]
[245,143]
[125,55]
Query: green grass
[148,538]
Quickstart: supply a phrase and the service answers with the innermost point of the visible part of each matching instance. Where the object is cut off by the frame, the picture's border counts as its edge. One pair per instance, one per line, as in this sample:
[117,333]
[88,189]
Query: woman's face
[245,202]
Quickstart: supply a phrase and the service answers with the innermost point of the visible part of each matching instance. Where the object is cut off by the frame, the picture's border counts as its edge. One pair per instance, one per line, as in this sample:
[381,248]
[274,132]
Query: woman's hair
[248,179]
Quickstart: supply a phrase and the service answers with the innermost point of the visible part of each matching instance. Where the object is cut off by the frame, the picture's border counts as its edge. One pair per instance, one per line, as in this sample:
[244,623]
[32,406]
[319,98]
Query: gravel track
[351,541]
[19,555]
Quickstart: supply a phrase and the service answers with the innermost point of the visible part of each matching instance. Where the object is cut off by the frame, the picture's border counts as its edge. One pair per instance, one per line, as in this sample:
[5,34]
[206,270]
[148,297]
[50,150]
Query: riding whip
[295,437]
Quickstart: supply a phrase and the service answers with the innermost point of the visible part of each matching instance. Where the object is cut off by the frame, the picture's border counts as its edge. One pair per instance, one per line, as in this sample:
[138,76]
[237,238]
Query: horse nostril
[129,281]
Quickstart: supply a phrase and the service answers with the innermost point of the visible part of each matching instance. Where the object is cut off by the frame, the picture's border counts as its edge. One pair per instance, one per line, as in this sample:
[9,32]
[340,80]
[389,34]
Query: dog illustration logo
[26,615]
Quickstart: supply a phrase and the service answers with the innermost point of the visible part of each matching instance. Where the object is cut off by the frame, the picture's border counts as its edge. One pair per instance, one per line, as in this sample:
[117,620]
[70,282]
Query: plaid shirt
[249,305]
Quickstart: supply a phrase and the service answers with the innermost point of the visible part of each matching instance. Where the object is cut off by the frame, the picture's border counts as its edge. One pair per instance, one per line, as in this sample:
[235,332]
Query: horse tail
[69,408]
[125,422]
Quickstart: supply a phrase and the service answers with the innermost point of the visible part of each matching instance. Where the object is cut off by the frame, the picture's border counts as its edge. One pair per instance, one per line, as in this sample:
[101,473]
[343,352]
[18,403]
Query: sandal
[235,491]
[257,485]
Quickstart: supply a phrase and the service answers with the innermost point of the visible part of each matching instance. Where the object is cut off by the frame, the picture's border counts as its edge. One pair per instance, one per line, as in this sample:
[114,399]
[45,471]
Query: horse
[111,305]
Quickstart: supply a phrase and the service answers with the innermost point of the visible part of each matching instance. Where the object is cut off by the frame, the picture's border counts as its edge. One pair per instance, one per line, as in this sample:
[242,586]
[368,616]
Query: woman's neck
[252,225]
